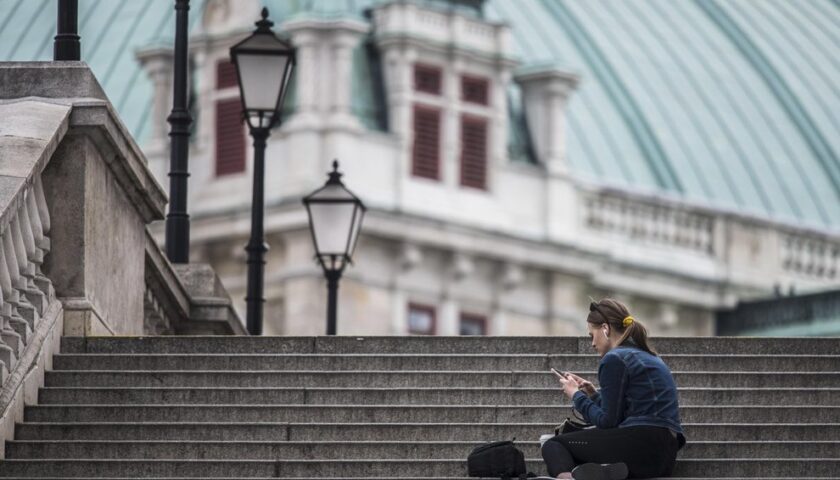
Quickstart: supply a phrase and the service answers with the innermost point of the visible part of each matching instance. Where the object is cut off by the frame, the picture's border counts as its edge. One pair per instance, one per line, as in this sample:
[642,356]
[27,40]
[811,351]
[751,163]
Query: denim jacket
[637,388]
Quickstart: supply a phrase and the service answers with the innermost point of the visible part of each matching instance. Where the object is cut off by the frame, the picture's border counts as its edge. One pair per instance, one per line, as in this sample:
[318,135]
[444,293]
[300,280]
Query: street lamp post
[264,65]
[335,219]
[178,220]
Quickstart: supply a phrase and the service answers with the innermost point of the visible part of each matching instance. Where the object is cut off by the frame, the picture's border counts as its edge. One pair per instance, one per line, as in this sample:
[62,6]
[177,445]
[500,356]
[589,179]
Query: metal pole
[256,247]
[66,45]
[177,220]
[332,297]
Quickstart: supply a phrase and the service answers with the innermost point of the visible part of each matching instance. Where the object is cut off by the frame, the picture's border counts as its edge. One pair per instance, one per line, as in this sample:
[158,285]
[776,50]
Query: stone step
[341,468]
[434,344]
[411,396]
[391,477]
[407,379]
[436,362]
[398,414]
[403,478]
[243,450]
[236,431]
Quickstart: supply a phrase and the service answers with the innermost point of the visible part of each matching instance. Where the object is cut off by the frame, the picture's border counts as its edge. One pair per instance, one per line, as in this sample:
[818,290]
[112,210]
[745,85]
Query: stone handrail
[185,299]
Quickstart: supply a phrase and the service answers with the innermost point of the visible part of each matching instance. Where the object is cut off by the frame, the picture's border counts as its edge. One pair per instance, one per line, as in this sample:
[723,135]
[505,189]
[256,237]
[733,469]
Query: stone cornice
[97,119]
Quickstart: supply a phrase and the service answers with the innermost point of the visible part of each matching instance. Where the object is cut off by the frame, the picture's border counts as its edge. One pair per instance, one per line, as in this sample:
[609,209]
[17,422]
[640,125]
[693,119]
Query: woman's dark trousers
[647,451]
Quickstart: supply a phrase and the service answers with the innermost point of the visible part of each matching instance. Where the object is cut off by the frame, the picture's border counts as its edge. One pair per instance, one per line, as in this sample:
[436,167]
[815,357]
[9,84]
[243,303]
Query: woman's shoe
[600,471]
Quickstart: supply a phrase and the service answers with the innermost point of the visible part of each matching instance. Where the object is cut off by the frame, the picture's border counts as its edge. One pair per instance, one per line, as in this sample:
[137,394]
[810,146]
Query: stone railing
[25,293]
[812,257]
[444,27]
[649,222]
[185,299]
[754,254]
[31,315]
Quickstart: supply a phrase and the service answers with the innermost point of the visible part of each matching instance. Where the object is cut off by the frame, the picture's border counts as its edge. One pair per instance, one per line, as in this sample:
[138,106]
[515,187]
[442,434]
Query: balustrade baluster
[43,212]
[27,268]
[10,342]
[24,308]
[11,297]
[42,244]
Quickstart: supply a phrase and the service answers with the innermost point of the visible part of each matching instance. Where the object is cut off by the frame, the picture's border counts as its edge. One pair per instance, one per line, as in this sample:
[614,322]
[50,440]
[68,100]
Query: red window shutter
[474,90]
[427,79]
[225,75]
[230,137]
[426,155]
[473,152]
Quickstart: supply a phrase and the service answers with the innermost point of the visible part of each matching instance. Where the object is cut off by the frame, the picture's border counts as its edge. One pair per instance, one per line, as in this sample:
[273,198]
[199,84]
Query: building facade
[519,161]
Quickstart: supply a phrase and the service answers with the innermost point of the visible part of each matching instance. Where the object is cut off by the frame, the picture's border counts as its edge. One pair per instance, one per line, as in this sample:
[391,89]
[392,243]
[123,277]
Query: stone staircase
[402,407]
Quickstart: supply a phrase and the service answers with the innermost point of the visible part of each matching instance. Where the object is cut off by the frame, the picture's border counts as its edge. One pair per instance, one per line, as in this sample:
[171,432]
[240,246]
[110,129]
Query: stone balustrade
[811,257]
[649,222]
[25,292]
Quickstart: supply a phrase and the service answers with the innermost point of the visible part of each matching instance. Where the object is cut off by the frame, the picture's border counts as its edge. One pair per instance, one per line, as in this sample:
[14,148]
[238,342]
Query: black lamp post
[264,66]
[177,220]
[66,46]
[335,219]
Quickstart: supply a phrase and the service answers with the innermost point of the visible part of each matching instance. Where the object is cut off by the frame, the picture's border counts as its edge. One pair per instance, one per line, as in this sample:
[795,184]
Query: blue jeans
[647,451]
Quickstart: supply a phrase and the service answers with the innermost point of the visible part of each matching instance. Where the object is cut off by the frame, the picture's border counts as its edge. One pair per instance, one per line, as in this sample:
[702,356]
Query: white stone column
[544,95]
[324,70]
[450,126]
[158,62]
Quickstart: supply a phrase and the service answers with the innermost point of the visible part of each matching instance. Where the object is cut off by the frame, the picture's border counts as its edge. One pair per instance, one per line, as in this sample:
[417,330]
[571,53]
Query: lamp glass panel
[262,77]
[331,224]
[357,225]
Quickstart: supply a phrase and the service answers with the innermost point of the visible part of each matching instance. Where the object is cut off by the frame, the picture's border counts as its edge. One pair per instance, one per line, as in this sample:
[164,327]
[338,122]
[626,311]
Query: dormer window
[474,90]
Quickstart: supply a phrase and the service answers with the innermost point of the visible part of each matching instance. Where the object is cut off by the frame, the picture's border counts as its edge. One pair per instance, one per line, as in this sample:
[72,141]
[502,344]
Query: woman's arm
[608,412]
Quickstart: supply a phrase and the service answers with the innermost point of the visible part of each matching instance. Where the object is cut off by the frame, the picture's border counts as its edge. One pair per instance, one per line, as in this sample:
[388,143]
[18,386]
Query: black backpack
[497,459]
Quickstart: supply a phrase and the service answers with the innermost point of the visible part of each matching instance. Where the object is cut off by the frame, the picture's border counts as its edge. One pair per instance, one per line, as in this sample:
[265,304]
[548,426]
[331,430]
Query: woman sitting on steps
[635,413]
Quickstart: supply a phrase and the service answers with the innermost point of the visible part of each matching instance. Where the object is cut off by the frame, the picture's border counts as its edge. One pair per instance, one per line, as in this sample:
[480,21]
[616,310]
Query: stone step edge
[371,406]
[412,424]
[385,478]
[379,442]
[467,355]
[426,372]
[436,389]
[375,460]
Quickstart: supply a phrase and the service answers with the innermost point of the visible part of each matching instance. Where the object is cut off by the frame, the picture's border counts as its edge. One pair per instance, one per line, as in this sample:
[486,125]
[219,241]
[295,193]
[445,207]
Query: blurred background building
[518,157]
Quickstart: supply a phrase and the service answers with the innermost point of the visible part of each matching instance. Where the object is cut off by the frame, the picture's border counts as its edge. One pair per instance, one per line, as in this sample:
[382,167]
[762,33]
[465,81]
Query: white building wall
[529,252]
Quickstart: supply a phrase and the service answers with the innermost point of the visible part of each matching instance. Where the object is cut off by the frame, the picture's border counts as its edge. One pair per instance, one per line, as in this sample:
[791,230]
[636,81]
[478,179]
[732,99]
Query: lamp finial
[264,25]
[335,175]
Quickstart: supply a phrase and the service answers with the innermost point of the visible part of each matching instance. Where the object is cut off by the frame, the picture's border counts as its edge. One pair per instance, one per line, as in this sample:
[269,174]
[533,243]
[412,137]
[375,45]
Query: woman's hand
[568,384]
[584,385]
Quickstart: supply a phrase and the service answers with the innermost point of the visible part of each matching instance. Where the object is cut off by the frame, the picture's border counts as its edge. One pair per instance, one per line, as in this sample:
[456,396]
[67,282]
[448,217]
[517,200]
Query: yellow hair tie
[627,321]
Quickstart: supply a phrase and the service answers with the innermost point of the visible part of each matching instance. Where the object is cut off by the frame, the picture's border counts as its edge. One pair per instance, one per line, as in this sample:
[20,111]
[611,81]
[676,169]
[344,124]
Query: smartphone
[562,374]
